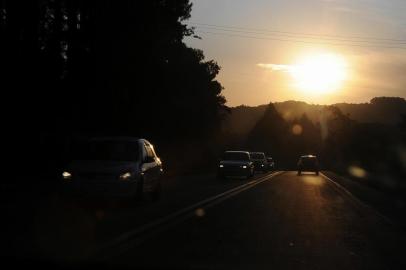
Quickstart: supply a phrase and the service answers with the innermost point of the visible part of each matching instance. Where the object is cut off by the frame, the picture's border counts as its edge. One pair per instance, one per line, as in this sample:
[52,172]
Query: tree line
[83,68]
[340,143]
[74,69]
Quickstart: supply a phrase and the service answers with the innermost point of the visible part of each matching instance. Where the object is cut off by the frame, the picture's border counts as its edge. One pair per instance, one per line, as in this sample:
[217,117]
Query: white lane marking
[185,213]
[358,201]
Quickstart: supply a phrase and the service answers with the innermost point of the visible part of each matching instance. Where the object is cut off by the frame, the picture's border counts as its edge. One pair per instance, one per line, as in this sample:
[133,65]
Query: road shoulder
[389,207]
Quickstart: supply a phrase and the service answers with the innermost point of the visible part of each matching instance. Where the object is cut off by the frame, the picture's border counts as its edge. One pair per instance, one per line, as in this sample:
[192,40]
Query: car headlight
[66,175]
[262,165]
[244,166]
[125,176]
[221,166]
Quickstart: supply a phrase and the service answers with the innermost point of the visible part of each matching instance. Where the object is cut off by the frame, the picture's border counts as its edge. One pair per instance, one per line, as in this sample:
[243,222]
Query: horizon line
[316,104]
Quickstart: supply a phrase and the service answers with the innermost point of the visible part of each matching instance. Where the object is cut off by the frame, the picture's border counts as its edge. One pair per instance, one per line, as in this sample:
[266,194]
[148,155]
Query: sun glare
[319,74]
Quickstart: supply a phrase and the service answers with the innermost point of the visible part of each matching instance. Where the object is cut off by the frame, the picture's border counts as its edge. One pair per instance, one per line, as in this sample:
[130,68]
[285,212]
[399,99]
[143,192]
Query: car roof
[245,152]
[257,153]
[116,138]
[308,156]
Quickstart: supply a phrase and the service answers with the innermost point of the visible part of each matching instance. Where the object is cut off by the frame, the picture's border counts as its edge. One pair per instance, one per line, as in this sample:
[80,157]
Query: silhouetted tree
[106,67]
[305,137]
[270,135]
[336,132]
[403,122]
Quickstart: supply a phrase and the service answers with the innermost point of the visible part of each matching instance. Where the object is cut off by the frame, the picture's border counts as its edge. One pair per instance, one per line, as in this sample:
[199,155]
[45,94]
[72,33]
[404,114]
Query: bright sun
[318,74]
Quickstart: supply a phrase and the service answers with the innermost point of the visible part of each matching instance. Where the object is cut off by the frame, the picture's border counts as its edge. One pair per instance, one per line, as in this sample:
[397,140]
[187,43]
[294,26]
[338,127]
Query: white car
[115,167]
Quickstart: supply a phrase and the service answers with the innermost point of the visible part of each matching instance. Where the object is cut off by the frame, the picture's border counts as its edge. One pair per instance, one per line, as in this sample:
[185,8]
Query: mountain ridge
[383,110]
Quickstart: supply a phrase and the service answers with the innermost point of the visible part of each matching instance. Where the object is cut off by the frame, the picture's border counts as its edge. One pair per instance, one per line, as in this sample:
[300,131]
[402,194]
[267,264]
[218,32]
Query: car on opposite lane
[115,167]
[271,163]
[235,163]
[260,161]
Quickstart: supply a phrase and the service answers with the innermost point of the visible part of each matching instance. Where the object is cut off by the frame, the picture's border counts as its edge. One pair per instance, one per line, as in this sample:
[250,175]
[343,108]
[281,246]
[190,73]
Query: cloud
[276,67]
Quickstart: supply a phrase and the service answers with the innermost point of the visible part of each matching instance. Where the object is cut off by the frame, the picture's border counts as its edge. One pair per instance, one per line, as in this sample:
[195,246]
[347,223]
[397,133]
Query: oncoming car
[260,161]
[271,163]
[115,167]
[235,163]
[308,163]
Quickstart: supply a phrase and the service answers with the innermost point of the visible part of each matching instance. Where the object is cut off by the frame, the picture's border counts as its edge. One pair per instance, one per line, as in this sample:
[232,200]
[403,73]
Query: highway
[281,221]
[277,220]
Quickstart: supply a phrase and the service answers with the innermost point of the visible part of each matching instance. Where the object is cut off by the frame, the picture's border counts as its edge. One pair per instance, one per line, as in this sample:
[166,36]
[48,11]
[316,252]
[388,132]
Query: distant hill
[383,110]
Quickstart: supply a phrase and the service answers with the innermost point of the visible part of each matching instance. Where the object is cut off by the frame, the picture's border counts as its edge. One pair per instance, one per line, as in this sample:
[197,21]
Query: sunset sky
[318,51]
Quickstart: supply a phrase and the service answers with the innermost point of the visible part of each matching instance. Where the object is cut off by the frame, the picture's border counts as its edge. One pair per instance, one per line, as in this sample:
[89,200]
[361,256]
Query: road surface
[282,222]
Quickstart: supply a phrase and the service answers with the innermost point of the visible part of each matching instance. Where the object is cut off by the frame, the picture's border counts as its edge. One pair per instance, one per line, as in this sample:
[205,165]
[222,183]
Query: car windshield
[236,156]
[112,150]
[257,156]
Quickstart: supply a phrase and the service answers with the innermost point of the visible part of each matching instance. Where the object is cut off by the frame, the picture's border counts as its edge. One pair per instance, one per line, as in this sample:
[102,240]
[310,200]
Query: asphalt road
[284,222]
[48,226]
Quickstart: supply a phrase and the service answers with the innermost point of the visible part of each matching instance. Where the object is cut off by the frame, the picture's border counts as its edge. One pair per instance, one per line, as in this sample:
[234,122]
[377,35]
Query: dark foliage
[269,135]
[83,68]
[383,110]
[342,144]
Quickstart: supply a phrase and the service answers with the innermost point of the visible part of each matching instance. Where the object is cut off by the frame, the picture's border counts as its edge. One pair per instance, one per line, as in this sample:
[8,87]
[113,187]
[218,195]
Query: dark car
[271,163]
[115,167]
[235,163]
[260,161]
[308,163]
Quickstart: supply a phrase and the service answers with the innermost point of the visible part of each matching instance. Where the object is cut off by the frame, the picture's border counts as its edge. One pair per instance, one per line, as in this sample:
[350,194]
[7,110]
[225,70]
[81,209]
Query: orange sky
[370,35]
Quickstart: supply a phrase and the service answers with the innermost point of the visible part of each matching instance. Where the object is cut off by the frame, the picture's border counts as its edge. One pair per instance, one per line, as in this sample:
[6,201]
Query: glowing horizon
[257,66]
